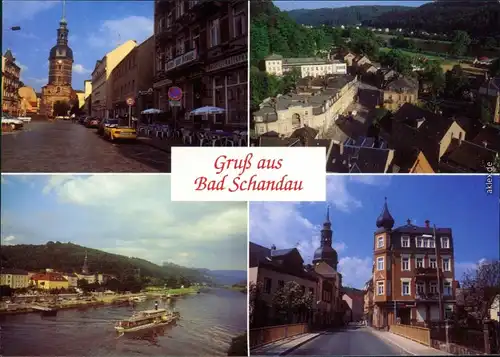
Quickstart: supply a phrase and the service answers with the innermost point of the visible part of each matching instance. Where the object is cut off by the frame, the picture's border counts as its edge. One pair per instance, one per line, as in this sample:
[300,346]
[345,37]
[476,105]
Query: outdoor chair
[229,141]
[202,138]
[186,137]
[216,139]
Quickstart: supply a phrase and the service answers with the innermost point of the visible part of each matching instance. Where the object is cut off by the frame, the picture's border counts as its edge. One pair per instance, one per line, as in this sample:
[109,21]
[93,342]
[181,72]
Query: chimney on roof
[341,148]
[427,223]
[273,247]
[485,143]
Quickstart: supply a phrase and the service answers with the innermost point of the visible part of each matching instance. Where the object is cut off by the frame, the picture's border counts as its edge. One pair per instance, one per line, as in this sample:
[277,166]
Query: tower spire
[328,213]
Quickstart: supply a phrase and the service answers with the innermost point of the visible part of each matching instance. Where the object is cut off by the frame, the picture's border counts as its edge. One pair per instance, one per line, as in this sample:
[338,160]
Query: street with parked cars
[81,144]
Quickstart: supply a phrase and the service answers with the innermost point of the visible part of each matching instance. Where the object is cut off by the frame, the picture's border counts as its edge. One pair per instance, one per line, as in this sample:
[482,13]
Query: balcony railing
[426,271]
[427,296]
[181,60]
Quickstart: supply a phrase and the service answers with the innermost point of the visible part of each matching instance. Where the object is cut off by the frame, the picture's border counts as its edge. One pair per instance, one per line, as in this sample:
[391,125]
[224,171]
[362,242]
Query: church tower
[58,89]
[61,56]
[325,253]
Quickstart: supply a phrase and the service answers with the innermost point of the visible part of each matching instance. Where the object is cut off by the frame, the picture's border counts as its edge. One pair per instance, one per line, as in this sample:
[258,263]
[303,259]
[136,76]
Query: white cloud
[22,66]
[79,68]
[144,201]
[355,271]
[24,10]
[375,180]
[3,180]
[112,33]
[283,225]
[8,240]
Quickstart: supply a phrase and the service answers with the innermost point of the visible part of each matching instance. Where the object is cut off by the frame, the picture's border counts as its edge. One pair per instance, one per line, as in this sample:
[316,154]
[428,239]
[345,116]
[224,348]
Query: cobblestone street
[69,147]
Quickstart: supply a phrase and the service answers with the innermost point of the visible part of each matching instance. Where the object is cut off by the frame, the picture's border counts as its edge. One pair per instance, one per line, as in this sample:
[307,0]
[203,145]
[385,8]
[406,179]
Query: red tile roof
[48,277]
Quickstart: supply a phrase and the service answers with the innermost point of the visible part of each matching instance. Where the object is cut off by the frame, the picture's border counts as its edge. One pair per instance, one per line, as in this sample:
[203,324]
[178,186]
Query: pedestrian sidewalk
[163,145]
[284,346]
[407,345]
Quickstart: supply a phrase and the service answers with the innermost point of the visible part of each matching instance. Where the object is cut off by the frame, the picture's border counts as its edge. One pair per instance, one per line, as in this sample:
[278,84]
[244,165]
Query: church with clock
[60,72]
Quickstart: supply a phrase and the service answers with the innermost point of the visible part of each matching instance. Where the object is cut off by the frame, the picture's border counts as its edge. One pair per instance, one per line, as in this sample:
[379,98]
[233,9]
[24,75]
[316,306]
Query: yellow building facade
[14,278]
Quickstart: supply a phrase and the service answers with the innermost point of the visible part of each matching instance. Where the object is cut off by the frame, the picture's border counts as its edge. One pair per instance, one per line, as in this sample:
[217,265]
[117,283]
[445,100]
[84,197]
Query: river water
[208,322]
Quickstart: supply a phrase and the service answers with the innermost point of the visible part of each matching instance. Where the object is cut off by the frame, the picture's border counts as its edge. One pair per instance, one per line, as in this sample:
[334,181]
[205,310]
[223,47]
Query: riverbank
[162,292]
[96,301]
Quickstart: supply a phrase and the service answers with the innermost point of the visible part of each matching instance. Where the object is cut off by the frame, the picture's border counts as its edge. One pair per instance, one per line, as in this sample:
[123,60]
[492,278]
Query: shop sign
[228,62]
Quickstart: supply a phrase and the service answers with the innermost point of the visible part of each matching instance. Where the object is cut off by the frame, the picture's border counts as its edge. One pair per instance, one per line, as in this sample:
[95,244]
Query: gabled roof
[9,55]
[361,159]
[49,277]
[413,229]
[466,156]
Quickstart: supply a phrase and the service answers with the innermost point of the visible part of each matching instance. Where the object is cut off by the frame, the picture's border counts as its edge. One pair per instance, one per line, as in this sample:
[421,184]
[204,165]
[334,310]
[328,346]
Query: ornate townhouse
[201,47]
[413,278]
[11,73]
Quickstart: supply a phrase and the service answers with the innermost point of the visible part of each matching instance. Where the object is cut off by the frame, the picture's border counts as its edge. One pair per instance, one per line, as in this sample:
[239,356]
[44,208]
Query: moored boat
[140,298]
[147,319]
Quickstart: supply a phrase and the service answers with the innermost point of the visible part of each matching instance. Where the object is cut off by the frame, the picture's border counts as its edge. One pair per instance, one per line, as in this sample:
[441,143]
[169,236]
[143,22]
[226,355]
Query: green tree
[291,299]
[397,60]
[278,43]
[457,82]
[433,75]
[260,42]
[460,43]
[254,298]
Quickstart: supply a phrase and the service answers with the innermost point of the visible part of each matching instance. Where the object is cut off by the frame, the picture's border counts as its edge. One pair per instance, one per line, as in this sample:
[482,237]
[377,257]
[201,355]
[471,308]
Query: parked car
[11,122]
[107,123]
[119,132]
[93,123]
[59,117]
[25,119]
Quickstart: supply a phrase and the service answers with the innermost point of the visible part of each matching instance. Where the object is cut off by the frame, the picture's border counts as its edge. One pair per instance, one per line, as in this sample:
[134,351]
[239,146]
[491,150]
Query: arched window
[295,120]
[58,89]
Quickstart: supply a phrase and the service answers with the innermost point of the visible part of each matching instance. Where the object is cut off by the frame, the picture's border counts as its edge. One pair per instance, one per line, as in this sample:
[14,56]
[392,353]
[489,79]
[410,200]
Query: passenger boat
[147,319]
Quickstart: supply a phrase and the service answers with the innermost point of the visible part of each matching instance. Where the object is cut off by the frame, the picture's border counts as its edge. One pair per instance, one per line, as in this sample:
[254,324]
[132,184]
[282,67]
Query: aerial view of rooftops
[385,89]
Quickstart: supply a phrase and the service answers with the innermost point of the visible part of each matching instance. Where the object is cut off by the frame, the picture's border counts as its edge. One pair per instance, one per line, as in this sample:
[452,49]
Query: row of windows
[420,242]
[218,33]
[125,88]
[11,70]
[421,288]
[419,263]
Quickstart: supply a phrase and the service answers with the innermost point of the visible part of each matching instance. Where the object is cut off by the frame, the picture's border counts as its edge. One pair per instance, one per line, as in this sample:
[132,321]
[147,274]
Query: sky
[293,5]
[131,215]
[457,202]
[95,28]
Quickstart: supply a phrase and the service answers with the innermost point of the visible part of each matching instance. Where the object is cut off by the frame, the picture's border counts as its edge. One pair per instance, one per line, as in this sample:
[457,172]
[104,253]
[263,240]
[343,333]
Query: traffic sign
[174,103]
[130,101]
[174,93]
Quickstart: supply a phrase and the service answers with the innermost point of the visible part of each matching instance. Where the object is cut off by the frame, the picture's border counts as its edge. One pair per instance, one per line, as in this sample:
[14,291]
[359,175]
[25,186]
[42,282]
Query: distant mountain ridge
[350,15]
[69,257]
[226,277]
[480,18]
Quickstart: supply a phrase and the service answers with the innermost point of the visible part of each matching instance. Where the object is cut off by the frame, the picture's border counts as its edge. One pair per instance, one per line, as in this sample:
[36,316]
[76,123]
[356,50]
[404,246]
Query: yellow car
[119,132]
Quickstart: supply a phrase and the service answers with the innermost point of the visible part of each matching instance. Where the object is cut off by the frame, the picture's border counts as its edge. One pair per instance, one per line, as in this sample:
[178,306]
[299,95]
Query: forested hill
[351,15]
[68,257]
[477,17]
